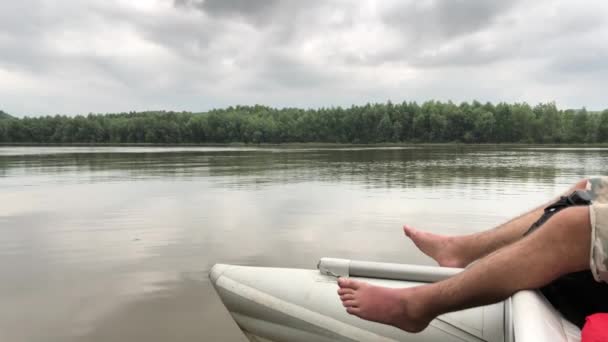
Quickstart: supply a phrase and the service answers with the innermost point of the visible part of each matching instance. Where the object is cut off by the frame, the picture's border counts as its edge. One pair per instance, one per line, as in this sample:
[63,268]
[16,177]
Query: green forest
[409,122]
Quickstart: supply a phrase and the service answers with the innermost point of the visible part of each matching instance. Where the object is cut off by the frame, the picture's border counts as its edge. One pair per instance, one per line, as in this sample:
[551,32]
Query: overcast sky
[73,56]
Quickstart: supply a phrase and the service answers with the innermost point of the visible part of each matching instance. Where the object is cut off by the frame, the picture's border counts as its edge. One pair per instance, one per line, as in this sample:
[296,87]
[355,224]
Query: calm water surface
[103,244]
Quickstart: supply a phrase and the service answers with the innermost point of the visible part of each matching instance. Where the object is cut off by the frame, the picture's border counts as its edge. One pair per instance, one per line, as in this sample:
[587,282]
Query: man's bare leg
[460,251]
[559,247]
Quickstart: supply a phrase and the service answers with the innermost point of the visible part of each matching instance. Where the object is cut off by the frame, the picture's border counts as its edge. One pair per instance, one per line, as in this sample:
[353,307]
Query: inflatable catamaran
[282,304]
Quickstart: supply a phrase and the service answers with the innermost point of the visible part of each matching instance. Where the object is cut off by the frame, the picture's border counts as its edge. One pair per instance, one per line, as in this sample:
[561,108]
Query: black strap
[578,197]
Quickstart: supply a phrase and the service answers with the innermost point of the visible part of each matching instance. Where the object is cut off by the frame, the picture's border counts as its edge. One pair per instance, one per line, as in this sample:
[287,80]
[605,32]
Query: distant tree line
[4,115]
[429,122]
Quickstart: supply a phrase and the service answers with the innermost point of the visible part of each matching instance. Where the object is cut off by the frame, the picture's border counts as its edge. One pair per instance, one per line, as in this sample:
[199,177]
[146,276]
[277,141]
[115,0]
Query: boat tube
[285,304]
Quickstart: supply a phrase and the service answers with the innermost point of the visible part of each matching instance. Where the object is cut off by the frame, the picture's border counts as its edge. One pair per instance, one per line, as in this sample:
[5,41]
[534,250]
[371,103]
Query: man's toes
[350,303]
[348,283]
[342,282]
[347,296]
[353,310]
[410,231]
[344,291]
[407,230]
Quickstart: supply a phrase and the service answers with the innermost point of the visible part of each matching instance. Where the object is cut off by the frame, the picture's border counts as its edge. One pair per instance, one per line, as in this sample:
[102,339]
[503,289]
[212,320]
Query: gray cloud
[584,63]
[100,56]
[258,12]
[286,71]
[436,20]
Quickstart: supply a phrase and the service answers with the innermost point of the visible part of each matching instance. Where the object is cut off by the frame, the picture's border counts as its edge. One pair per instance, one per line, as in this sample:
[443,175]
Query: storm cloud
[75,57]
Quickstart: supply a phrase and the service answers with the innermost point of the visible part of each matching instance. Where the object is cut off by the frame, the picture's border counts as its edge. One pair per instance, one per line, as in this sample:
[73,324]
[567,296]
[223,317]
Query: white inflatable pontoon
[282,304]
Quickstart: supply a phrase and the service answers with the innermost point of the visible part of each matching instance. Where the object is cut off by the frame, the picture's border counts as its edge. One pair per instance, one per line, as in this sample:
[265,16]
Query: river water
[115,243]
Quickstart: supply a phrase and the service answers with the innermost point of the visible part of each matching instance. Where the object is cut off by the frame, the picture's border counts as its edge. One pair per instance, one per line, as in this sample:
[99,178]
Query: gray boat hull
[277,304]
[283,304]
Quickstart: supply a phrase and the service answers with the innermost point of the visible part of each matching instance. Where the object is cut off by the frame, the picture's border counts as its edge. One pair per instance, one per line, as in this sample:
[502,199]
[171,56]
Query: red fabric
[595,328]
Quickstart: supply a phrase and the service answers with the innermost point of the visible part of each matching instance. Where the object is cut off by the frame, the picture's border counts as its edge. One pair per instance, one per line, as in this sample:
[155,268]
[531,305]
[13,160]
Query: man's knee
[581,184]
[574,219]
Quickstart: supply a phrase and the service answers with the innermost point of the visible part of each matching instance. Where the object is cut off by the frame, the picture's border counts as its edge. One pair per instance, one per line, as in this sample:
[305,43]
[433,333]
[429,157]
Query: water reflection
[384,168]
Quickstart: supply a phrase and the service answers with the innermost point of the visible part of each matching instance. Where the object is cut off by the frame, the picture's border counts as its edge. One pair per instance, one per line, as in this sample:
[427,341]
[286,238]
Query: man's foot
[401,308]
[446,250]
